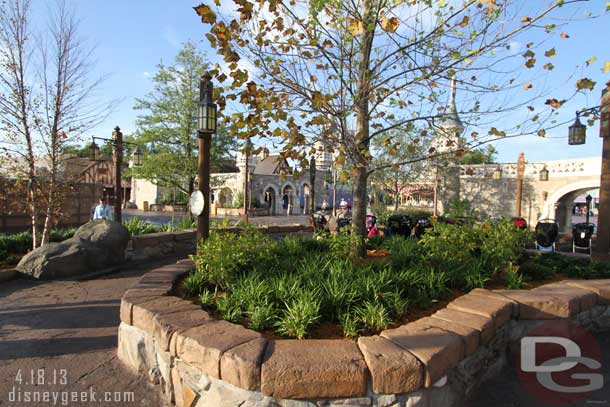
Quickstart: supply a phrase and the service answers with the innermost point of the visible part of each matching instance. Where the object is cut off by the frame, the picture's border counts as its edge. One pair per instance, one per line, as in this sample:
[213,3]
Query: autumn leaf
[549,66]
[354,26]
[528,86]
[606,67]
[389,24]
[585,83]
[554,103]
[541,133]
[530,62]
[526,20]
[550,53]
[591,60]
[205,12]
[464,21]
[564,35]
[317,99]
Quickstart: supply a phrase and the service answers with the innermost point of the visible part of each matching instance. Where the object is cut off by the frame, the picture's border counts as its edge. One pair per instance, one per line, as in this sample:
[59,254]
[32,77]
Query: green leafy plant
[207,297]
[136,226]
[349,324]
[514,279]
[262,316]
[300,315]
[373,315]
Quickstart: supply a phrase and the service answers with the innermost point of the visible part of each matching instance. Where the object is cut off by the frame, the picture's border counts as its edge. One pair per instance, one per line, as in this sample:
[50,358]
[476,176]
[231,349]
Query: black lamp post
[588,200]
[117,143]
[577,134]
[206,126]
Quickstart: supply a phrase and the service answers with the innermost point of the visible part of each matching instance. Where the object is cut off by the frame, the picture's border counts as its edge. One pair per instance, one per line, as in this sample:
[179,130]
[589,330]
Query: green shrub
[59,235]
[136,226]
[249,251]
[262,316]
[292,284]
[207,297]
[300,315]
[514,279]
[373,315]
[193,284]
[230,308]
[349,324]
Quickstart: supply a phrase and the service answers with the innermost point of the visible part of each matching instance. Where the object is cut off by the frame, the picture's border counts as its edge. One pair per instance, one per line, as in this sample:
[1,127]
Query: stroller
[399,225]
[547,231]
[319,221]
[423,223]
[581,236]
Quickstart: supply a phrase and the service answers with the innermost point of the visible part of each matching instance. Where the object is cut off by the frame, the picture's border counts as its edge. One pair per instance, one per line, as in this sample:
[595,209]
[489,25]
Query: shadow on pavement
[47,347]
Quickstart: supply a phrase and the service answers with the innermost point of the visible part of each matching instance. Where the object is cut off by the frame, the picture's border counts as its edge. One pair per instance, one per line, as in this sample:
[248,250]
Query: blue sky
[133,36]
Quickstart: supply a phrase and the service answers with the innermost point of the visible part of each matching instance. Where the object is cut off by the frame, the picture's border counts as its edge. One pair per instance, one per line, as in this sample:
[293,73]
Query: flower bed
[435,361]
[293,286]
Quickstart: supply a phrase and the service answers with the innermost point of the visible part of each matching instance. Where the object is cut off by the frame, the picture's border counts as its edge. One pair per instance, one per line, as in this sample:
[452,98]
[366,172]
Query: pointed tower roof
[450,118]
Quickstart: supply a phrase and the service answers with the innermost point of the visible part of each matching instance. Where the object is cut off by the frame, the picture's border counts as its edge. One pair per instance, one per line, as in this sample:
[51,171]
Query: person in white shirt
[102,211]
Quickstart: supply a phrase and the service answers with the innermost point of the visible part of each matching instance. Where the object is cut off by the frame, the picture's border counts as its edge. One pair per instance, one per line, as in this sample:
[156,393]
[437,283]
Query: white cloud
[146,74]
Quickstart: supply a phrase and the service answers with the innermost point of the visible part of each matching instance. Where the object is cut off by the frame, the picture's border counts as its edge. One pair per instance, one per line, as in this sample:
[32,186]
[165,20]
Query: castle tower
[323,156]
[447,140]
[252,159]
[450,126]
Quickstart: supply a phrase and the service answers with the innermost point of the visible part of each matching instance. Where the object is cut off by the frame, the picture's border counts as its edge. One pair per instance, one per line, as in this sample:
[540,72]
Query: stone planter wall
[435,361]
[154,245]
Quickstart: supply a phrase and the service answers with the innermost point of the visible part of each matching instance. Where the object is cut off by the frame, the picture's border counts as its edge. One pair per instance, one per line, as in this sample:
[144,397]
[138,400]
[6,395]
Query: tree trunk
[362,154]
[359,211]
[396,197]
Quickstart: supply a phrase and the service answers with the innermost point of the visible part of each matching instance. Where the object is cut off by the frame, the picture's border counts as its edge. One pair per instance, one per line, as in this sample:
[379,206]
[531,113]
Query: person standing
[102,211]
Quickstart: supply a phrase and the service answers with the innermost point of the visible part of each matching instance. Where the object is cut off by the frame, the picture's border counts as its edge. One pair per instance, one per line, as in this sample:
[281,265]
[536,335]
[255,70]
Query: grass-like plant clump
[292,285]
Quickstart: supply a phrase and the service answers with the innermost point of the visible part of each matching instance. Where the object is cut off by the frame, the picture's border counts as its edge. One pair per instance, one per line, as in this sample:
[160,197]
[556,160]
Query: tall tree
[168,124]
[372,66]
[49,99]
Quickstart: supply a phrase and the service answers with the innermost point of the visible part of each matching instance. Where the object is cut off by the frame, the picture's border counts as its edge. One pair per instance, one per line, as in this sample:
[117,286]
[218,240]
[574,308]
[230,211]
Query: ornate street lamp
[136,156]
[94,152]
[497,174]
[206,126]
[206,114]
[577,132]
[544,174]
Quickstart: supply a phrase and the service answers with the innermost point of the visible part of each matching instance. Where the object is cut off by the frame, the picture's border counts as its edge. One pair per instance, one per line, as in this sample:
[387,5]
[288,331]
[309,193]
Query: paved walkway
[63,334]
[506,390]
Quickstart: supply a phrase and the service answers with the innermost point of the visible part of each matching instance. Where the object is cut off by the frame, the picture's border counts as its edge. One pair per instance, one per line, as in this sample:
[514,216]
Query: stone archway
[270,199]
[305,200]
[225,198]
[558,205]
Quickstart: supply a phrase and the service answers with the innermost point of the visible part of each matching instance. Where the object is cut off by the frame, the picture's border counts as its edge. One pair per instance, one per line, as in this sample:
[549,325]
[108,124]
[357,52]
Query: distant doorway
[270,200]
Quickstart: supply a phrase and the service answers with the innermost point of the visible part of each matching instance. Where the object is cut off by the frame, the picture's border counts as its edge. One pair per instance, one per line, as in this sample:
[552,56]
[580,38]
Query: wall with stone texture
[435,361]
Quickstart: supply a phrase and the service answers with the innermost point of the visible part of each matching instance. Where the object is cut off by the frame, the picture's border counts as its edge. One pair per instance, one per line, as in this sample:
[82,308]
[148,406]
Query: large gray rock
[95,245]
